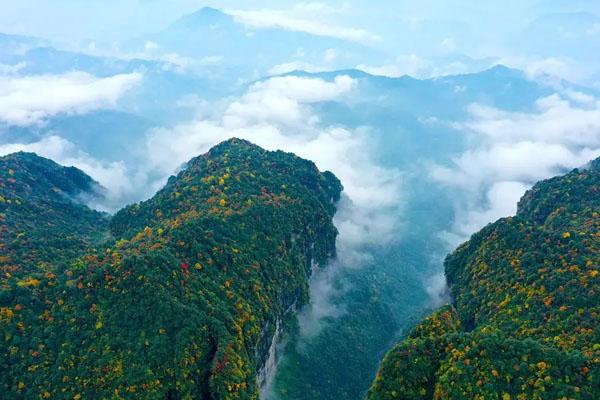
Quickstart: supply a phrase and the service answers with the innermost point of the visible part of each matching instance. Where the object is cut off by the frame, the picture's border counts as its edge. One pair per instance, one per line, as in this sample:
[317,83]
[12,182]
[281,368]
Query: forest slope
[524,323]
[183,301]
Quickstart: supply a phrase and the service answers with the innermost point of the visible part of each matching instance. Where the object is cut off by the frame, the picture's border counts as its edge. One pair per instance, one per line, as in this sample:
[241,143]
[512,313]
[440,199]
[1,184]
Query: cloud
[552,70]
[448,45]
[437,290]
[513,151]
[411,65]
[30,100]
[327,64]
[11,69]
[306,18]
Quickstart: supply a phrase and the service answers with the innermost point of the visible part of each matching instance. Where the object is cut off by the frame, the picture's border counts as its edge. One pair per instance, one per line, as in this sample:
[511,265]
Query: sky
[119,19]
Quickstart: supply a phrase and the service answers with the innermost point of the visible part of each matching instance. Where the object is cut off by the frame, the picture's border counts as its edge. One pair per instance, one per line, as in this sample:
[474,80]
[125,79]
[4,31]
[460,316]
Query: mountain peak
[235,143]
[595,164]
[502,70]
[30,170]
[190,287]
[210,11]
[204,16]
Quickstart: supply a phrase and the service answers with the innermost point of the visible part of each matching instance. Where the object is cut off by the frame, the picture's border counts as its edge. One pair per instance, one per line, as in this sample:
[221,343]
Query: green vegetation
[42,220]
[182,301]
[524,323]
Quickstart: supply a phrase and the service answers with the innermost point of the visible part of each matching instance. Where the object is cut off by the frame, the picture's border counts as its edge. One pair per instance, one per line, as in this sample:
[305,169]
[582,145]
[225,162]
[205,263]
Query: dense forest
[177,297]
[523,324]
[42,218]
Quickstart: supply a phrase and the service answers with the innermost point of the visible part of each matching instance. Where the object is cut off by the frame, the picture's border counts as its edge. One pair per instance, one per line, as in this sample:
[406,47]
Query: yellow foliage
[28,282]
[6,312]
[541,365]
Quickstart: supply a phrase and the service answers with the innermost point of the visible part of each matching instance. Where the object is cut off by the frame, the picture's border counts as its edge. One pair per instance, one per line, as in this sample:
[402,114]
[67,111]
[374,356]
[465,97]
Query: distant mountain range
[212,36]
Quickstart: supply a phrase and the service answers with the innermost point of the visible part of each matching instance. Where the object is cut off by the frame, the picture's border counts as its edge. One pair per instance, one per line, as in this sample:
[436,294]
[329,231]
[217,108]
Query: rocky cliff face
[185,299]
[524,322]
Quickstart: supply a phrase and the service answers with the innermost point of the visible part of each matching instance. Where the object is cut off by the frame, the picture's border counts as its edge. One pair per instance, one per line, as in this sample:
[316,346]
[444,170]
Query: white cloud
[150,46]
[557,121]
[327,64]
[437,290]
[448,45]
[552,70]
[515,150]
[411,65]
[550,66]
[31,100]
[284,68]
[11,69]
[307,19]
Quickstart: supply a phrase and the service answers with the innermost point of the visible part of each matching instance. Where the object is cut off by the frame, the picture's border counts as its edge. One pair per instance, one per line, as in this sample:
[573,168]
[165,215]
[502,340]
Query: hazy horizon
[424,39]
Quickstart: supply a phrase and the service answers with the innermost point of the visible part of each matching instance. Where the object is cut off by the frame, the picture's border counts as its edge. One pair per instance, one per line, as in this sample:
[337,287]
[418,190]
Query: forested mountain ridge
[42,215]
[524,319]
[183,301]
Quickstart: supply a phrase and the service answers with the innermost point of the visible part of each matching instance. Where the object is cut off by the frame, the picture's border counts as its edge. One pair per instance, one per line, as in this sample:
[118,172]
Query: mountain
[524,319]
[407,115]
[186,298]
[163,85]
[215,37]
[43,219]
[44,59]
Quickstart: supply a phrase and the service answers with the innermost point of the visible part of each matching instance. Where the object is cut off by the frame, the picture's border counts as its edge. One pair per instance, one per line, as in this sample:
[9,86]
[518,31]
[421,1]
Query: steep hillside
[43,221]
[185,302]
[524,323]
